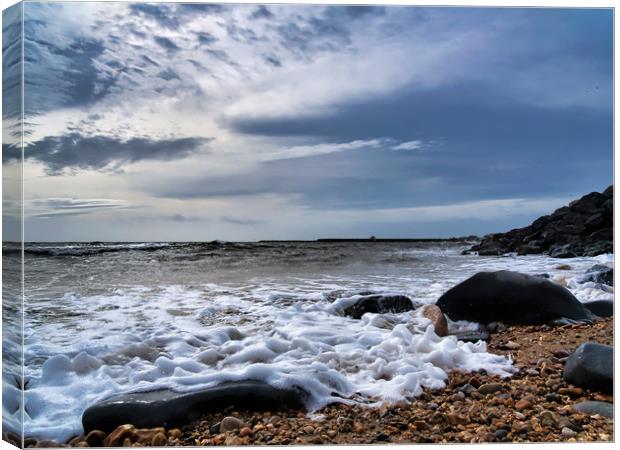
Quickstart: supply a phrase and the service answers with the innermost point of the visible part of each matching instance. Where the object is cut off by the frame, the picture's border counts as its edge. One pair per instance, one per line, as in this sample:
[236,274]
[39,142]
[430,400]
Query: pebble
[467,389]
[522,405]
[511,345]
[231,424]
[174,433]
[158,440]
[490,388]
[571,391]
[95,438]
[245,431]
[219,439]
[500,433]
[568,433]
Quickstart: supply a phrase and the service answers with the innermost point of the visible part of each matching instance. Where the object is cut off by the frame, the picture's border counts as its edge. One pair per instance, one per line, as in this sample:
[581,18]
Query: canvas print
[303,224]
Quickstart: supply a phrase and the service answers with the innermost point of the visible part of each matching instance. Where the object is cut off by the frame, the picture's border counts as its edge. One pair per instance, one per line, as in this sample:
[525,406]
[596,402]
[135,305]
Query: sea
[108,318]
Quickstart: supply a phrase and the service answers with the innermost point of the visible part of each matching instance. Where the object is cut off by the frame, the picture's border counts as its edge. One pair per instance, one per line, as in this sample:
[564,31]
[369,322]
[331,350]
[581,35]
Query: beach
[122,318]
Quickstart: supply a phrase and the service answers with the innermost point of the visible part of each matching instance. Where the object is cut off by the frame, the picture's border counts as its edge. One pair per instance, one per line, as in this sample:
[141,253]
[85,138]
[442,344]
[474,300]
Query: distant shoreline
[262,241]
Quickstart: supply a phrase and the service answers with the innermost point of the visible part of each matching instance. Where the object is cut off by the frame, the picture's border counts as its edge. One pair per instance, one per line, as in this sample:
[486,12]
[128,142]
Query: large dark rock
[168,408]
[602,308]
[379,304]
[511,297]
[591,366]
[583,228]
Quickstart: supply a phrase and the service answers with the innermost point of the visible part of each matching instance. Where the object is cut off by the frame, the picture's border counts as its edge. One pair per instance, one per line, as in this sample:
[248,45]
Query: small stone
[568,433]
[500,433]
[127,442]
[571,391]
[438,320]
[158,440]
[553,397]
[548,419]
[174,433]
[308,429]
[519,415]
[562,353]
[467,389]
[81,444]
[382,437]
[259,427]
[245,431]
[332,433]
[511,345]
[219,439]
[563,267]
[522,405]
[490,388]
[532,372]
[456,419]
[231,424]
[95,438]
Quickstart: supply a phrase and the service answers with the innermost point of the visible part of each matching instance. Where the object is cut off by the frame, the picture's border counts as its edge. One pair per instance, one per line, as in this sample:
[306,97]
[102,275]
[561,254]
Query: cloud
[262,12]
[167,44]
[46,208]
[76,151]
[409,145]
[237,221]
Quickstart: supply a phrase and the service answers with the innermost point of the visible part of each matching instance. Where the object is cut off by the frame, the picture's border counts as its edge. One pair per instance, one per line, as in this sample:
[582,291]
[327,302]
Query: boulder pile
[583,228]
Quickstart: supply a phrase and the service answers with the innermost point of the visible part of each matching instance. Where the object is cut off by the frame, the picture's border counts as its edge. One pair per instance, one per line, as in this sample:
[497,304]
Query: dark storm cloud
[75,151]
[167,44]
[205,38]
[262,12]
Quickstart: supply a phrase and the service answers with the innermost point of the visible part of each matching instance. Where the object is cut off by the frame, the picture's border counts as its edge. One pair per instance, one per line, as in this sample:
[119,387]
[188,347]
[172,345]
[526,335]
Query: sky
[195,122]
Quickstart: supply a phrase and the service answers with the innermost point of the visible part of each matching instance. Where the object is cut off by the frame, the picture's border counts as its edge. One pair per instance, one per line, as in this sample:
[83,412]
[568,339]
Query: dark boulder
[512,298]
[602,308]
[169,408]
[591,366]
[379,304]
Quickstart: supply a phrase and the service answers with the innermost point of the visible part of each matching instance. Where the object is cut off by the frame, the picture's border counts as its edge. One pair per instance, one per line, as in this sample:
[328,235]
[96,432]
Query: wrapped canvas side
[12,220]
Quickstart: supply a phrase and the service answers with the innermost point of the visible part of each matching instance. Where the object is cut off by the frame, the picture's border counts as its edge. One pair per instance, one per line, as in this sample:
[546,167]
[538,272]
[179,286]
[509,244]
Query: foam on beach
[286,333]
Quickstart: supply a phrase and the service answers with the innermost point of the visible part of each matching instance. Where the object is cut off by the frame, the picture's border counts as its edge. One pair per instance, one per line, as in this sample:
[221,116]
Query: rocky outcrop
[583,228]
[379,304]
[591,366]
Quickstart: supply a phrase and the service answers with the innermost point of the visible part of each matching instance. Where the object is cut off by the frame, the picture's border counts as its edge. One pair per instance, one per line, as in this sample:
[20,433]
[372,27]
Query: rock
[512,298]
[496,327]
[571,391]
[438,320]
[168,408]
[379,304]
[548,419]
[563,267]
[522,405]
[490,388]
[511,345]
[599,274]
[231,424]
[95,438]
[592,408]
[472,336]
[500,433]
[174,433]
[583,228]
[158,440]
[568,433]
[245,431]
[467,389]
[591,366]
[602,308]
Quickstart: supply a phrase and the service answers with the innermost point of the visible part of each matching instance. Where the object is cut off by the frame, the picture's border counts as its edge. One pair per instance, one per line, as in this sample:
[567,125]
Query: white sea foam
[287,333]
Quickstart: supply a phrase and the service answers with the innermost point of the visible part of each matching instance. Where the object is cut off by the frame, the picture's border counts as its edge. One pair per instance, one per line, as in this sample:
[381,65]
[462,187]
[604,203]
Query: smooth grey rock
[169,408]
[593,407]
[512,298]
[591,366]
